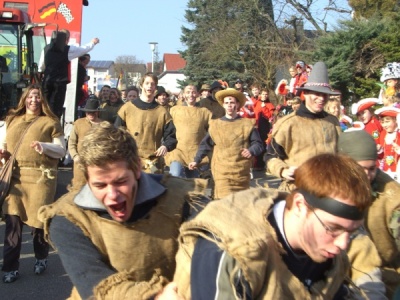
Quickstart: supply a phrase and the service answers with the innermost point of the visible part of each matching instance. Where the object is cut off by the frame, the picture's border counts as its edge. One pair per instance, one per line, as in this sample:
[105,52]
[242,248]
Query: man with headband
[383,217]
[265,244]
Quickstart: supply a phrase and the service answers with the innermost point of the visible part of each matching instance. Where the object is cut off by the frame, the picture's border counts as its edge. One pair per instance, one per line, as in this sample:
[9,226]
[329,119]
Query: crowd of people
[127,228]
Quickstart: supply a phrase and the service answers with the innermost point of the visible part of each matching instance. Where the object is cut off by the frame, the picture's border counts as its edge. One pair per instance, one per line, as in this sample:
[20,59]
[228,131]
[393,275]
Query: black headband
[333,206]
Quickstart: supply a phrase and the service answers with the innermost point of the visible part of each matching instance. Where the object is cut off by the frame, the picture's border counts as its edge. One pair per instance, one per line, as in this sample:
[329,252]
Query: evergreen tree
[230,39]
[356,52]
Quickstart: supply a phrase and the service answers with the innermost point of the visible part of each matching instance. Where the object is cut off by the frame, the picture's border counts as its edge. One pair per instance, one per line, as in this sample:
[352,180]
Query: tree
[374,8]
[126,65]
[247,39]
[356,52]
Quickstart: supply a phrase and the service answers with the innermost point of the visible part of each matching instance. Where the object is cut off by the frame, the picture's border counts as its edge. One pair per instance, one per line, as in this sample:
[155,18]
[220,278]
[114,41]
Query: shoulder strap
[23,134]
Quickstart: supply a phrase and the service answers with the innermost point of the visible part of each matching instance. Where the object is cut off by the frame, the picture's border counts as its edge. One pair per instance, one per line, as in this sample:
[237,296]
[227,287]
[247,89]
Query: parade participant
[234,142]
[239,85]
[150,124]
[264,112]
[55,63]
[204,91]
[382,218]
[34,176]
[301,77]
[390,81]
[104,93]
[262,244]
[211,102]
[117,237]
[307,132]
[110,108]
[191,122]
[78,132]
[162,97]
[364,111]
[132,93]
[389,142]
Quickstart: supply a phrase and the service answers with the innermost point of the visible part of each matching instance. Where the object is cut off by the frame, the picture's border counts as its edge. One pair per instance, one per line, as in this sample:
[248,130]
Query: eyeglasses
[332,232]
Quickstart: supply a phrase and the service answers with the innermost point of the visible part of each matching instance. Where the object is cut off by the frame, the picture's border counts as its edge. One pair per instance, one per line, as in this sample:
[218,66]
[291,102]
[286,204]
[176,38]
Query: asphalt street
[54,283]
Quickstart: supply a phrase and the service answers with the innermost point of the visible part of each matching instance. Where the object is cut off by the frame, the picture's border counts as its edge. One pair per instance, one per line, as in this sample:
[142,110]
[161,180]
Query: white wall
[169,82]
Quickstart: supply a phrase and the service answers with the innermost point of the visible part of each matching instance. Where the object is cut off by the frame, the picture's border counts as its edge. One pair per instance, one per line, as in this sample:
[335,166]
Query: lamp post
[153,46]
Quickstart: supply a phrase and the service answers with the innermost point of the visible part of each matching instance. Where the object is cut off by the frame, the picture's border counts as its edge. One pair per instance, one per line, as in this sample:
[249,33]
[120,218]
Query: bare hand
[76,158]
[4,154]
[192,165]
[95,41]
[170,292]
[161,151]
[288,173]
[36,145]
[246,153]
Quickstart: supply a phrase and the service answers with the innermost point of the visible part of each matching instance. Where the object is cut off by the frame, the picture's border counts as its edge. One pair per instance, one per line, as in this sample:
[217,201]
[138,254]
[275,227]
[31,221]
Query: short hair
[151,75]
[296,100]
[255,85]
[264,90]
[132,88]
[189,86]
[105,144]
[337,175]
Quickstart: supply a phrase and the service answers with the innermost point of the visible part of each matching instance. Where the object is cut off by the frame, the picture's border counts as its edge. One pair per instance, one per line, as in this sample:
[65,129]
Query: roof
[100,64]
[173,62]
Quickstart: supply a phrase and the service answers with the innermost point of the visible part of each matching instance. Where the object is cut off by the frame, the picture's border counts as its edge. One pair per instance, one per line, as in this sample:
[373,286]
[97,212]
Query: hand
[76,158]
[288,173]
[170,292]
[396,148]
[192,165]
[161,151]
[4,154]
[95,41]
[36,145]
[378,147]
[246,153]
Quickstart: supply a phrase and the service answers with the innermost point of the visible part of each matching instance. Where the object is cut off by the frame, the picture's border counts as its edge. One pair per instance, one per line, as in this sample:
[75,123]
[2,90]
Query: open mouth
[118,209]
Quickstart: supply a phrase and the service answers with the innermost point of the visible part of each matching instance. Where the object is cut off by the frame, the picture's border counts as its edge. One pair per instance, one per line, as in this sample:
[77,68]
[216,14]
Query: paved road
[54,284]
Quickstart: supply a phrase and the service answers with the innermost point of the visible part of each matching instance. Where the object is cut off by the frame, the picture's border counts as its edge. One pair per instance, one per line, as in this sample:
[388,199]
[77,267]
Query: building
[101,72]
[172,71]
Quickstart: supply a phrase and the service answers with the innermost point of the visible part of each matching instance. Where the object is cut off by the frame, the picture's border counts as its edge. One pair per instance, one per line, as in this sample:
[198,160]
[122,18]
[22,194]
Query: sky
[125,27]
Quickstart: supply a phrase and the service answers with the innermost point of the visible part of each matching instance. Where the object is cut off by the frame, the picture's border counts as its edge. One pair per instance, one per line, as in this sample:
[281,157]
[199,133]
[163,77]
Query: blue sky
[125,27]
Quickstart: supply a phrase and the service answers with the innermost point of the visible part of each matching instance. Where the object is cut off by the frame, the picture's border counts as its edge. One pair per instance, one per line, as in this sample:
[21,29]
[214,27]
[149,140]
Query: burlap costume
[109,111]
[302,138]
[378,223]
[365,270]
[231,171]
[147,128]
[191,125]
[213,106]
[253,244]
[81,127]
[34,178]
[142,252]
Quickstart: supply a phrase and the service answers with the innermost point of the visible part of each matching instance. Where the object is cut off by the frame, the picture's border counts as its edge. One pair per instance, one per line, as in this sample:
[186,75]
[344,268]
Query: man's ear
[299,206]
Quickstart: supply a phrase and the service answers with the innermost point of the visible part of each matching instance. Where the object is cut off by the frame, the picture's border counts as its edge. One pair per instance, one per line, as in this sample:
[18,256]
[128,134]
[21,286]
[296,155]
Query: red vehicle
[25,28]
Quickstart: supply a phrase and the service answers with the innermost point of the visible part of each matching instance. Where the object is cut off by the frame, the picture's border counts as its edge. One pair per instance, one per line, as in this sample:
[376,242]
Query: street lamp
[153,46]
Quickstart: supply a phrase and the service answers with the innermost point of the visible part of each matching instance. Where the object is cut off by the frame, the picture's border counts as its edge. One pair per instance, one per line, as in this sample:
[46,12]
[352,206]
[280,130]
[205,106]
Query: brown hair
[151,75]
[333,175]
[21,107]
[105,144]
[296,100]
